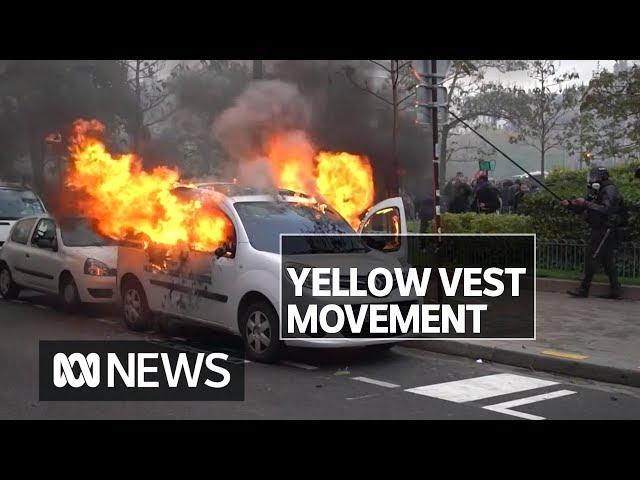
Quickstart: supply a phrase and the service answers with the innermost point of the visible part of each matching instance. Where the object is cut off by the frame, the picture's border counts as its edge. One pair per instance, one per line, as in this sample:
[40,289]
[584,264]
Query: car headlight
[98,268]
[298,269]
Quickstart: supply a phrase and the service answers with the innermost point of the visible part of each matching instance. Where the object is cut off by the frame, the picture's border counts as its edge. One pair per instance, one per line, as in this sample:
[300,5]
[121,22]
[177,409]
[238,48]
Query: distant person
[409,205]
[449,191]
[424,210]
[521,190]
[460,195]
[486,197]
[506,193]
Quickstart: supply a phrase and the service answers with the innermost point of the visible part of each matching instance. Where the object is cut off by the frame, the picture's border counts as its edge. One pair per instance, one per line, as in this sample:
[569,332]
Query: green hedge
[473,223]
[552,221]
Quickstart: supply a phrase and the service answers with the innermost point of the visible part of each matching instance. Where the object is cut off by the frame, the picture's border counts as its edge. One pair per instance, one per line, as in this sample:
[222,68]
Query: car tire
[8,288]
[68,296]
[260,331]
[135,309]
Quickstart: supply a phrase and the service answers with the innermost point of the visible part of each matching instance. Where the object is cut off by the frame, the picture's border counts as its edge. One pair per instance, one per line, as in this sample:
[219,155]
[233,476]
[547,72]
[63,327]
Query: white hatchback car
[67,258]
[16,202]
[237,289]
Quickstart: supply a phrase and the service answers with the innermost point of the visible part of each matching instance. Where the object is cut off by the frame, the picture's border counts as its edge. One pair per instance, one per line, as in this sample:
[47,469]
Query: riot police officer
[602,209]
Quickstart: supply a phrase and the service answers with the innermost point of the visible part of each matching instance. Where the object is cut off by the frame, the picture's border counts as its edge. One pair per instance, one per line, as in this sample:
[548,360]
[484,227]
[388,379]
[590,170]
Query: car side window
[21,231]
[46,229]
[387,221]
[230,241]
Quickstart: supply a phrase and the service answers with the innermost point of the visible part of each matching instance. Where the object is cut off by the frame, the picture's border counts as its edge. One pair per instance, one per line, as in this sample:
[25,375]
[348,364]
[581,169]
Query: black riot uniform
[602,210]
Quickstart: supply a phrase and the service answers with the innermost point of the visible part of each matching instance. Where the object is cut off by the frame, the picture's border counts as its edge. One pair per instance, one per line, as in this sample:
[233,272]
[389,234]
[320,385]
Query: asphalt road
[312,384]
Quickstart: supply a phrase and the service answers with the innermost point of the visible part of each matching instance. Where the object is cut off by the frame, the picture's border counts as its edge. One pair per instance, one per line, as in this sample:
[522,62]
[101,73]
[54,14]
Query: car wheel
[135,310]
[8,288]
[260,332]
[68,296]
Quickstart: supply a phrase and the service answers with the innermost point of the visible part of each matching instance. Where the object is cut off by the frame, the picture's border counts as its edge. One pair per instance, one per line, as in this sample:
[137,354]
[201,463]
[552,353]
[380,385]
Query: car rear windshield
[15,204]
[265,221]
[81,232]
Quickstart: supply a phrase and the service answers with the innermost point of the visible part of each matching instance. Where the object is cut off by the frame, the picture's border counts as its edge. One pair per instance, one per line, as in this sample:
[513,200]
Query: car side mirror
[220,252]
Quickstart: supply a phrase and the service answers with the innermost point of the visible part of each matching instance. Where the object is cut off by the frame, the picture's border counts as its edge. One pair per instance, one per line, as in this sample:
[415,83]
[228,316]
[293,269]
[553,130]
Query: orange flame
[343,179]
[126,200]
[346,182]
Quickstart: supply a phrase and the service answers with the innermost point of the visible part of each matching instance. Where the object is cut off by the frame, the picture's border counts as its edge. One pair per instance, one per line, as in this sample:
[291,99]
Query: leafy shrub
[473,223]
[552,221]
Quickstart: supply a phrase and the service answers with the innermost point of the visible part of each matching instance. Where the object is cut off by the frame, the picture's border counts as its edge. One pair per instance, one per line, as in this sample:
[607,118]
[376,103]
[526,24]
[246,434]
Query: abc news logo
[125,370]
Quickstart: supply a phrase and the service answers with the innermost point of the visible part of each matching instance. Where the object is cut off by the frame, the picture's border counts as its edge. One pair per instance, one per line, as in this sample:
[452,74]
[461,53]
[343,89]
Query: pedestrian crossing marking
[472,389]
[505,407]
[570,356]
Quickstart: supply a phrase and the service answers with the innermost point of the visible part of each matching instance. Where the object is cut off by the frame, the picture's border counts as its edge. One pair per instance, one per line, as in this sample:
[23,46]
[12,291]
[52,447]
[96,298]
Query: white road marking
[505,407]
[373,381]
[477,388]
[304,366]
[364,396]
[41,307]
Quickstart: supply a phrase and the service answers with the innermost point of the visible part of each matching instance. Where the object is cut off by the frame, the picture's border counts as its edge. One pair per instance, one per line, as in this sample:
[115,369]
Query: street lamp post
[431,107]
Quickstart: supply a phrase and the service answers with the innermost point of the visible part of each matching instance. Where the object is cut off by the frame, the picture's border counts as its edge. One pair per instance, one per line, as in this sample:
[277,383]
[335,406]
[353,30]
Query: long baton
[604,239]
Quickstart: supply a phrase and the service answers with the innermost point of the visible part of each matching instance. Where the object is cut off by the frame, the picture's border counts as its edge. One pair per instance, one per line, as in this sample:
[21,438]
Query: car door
[219,289]
[15,250]
[43,260]
[383,228]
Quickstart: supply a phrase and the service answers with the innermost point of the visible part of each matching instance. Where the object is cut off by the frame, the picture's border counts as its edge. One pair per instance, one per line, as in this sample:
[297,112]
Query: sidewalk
[591,338]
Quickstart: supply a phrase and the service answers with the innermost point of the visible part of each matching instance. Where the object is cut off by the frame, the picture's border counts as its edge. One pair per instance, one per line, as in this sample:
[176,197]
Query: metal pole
[436,148]
[436,169]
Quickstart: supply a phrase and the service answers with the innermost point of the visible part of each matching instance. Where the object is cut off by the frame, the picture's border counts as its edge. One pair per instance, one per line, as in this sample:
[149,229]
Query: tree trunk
[443,156]
[137,129]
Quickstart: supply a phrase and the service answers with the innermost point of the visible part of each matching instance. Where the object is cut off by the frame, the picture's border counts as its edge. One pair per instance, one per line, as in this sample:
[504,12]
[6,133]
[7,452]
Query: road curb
[533,360]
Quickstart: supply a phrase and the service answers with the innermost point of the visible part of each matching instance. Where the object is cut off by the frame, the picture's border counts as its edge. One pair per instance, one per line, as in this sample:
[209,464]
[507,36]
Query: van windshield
[15,204]
[265,221]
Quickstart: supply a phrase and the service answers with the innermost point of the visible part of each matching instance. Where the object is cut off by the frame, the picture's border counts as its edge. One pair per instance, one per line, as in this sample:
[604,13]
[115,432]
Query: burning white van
[237,287]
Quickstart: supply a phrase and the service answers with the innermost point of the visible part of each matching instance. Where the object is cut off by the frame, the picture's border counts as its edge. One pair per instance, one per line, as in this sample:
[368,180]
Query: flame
[343,179]
[125,200]
[346,182]
[291,158]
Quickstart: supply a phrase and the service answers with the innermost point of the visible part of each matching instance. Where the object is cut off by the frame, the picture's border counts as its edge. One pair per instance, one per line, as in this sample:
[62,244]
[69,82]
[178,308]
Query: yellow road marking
[571,356]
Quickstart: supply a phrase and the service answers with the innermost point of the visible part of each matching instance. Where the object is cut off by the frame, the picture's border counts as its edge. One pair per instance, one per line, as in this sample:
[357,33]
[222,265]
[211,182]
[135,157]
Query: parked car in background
[66,258]
[16,201]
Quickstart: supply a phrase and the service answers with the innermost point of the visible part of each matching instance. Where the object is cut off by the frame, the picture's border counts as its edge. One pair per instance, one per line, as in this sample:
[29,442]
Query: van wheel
[68,294]
[8,288]
[260,332]
[135,310]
